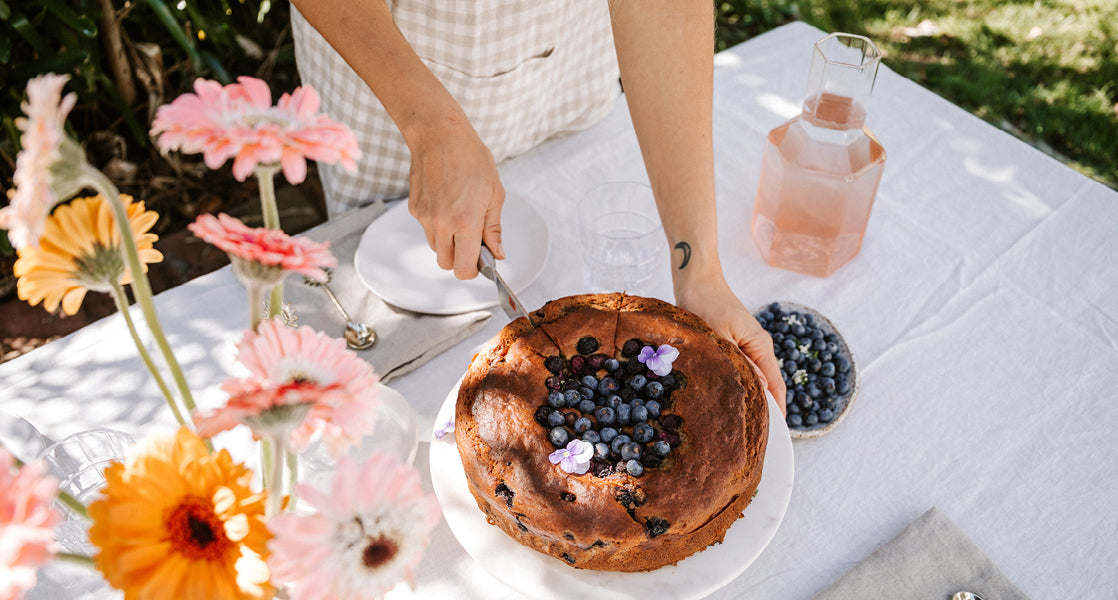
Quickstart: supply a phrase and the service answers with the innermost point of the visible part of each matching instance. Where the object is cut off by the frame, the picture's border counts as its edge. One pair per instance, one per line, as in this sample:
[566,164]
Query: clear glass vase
[79,462]
[821,169]
[19,437]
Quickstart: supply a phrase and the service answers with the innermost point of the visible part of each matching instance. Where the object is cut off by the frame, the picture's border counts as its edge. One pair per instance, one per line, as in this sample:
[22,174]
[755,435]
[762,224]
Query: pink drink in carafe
[820,171]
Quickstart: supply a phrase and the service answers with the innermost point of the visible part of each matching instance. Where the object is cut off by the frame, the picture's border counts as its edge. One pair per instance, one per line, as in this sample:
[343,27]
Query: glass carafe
[820,170]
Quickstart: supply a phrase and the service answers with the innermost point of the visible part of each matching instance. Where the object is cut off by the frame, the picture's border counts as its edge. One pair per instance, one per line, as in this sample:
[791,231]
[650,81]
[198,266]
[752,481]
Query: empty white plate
[395,262]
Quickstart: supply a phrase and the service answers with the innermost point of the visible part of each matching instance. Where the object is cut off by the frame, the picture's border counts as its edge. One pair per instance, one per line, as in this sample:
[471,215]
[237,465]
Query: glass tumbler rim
[28,442]
[870,53]
[118,437]
[593,206]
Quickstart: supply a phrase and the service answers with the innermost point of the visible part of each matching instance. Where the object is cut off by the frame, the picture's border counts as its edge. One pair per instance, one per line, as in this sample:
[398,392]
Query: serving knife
[487,266]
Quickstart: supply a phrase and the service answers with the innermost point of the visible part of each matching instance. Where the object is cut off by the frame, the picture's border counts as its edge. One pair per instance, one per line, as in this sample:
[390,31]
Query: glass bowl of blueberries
[817,366]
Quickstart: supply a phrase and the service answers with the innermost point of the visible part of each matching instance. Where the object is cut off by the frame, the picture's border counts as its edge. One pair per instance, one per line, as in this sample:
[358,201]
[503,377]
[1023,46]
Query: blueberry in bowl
[817,366]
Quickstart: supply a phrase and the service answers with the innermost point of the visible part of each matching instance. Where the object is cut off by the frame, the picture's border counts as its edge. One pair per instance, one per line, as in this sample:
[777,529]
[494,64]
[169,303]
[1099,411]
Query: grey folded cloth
[930,560]
[405,340]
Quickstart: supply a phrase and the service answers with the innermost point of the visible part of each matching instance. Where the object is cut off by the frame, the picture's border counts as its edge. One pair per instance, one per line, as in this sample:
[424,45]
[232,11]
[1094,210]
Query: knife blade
[487,266]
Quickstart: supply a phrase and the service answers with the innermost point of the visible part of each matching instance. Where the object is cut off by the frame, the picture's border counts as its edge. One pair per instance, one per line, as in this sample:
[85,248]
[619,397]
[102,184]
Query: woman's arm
[455,191]
[665,49]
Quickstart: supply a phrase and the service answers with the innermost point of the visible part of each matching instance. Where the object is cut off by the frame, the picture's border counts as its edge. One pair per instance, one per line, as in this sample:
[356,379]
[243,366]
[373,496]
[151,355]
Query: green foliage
[166,45]
[6,246]
[45,37]
[739,20]
[1045,71]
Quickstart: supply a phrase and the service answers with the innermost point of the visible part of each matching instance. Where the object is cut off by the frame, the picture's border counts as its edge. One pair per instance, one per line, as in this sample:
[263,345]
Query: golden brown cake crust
[614,522]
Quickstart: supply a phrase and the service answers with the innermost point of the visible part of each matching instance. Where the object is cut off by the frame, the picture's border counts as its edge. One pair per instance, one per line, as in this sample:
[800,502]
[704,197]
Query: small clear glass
[79,460]
[79,463]
[621,237]
[821,169]
[395,432]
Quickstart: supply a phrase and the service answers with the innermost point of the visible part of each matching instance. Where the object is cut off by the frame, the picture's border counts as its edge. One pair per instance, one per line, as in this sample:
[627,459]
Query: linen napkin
[405,339]
[930,560]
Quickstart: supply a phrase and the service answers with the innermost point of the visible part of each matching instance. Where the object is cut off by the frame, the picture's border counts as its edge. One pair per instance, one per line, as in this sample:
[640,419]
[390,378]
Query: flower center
[200,532]
[280,419]
[251,272]
[302,372]
[378,552]
[196,531]
[99,269]
[252,121]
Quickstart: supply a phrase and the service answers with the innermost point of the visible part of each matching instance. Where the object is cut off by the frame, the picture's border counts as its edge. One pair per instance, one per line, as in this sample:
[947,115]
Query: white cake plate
[546,578]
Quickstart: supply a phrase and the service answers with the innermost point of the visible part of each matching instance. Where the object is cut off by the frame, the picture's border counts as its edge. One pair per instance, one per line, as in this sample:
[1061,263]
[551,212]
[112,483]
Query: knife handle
[487,263]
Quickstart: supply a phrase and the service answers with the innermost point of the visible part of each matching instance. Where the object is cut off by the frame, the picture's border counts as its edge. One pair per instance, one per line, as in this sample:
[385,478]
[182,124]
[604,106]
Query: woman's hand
[456,195]
[716,303]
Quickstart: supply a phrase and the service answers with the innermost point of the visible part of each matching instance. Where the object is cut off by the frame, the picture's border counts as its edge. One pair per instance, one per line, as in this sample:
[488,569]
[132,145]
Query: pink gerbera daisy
[303,382]
[42,140]
[264,254]
[368,534]
[26,524]
[238,121]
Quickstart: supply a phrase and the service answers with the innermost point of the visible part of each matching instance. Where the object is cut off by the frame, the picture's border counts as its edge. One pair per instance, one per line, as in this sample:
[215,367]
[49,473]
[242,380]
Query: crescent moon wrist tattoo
[686,248]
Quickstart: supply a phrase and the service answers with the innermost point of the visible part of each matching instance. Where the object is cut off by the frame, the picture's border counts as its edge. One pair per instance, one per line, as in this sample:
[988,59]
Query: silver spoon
[358,336]
[965,596]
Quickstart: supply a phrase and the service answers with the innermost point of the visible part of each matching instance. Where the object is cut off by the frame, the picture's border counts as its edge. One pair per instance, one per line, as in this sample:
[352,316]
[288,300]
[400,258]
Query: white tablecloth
[982,312]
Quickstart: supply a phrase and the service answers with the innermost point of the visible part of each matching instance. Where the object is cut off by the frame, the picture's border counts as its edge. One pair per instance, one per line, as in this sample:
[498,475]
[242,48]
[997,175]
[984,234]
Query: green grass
[1045,70]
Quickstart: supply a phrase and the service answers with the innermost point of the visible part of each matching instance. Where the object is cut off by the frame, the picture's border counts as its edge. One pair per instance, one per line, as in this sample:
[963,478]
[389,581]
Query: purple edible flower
[660,360]
[575,458]
[446,428]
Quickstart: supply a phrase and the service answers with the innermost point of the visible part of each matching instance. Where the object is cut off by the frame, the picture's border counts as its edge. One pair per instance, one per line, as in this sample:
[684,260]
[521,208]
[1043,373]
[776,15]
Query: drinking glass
[79,462]
[621,237]
[395,432]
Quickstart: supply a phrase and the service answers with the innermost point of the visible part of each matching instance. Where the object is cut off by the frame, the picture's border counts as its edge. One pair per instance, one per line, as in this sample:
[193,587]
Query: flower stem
[73,504]
[269,210]
[275,487]
[140,285]
[265,461]
[122,305]
[265,179]
[292,478]
[76,559]
[275,301]
[255,305]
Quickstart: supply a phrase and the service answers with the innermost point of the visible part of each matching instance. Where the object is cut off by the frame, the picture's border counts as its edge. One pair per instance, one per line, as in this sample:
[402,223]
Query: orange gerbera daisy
[79,251]
[178,522]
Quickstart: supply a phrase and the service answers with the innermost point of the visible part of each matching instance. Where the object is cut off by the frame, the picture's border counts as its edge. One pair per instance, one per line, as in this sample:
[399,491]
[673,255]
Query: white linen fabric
[981,313]
[522,70]
[931,558]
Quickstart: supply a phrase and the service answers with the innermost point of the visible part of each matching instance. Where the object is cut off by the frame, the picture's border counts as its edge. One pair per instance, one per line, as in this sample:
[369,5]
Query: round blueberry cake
[616,433]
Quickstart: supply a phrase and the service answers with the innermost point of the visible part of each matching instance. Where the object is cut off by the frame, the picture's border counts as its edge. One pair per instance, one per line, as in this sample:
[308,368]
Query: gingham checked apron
[523,71]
